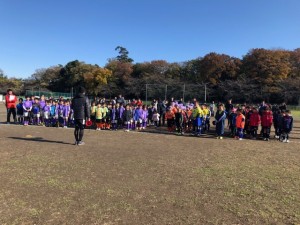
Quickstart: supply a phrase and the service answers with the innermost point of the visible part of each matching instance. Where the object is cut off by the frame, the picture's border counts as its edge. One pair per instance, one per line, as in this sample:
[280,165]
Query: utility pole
[183,92]
[166,90]
[146,93]
[205,93]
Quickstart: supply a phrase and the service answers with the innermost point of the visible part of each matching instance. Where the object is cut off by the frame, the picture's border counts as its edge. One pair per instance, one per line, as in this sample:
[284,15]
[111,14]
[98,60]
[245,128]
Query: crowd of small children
[192,117]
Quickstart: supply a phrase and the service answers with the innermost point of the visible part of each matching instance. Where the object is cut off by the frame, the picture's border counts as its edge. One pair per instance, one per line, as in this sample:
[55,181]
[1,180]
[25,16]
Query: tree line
[261,74]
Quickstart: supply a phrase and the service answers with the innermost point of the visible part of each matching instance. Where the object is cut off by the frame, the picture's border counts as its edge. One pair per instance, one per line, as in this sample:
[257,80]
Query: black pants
[162,119]
[266,132]
[9,112]
[79,129]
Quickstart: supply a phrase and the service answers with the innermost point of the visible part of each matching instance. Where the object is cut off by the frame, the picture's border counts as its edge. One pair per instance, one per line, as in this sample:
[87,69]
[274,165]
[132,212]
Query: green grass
[296,114]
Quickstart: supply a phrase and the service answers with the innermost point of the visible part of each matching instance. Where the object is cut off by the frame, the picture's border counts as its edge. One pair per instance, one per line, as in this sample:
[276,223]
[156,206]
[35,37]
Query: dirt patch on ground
[145,178]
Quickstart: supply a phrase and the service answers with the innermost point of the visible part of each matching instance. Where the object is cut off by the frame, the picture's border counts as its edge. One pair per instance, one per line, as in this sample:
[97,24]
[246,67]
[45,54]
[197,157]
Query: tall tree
[95,78]
[295,63]
[123,55]
[267,66]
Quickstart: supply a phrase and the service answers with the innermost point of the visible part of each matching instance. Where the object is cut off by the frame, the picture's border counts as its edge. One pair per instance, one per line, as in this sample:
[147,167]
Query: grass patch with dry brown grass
[139,178]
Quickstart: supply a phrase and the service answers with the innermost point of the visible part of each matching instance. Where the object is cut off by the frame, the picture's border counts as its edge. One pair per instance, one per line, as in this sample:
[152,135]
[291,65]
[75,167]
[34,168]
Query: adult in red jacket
[11,105]
[266,123]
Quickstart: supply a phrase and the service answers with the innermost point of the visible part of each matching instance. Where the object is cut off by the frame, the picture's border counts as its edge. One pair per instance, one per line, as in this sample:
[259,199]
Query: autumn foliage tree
[267,66]
[273,75]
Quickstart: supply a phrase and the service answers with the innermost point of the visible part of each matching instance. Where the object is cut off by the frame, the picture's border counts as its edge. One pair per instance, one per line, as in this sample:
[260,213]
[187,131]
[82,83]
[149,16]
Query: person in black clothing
[228,107]
[161,109]
[80,106]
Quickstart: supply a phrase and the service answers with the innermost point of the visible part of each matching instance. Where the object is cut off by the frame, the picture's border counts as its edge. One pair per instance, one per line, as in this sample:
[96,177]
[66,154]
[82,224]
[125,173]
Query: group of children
[245,121]
[116,116]
[193,118]
[39,111]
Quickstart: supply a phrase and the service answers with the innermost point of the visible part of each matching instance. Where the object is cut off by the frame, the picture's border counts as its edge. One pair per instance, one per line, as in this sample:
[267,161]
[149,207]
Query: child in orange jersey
[240,124]
[170,116]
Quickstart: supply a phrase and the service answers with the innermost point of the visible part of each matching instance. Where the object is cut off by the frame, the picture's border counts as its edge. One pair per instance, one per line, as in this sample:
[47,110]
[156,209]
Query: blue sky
[37,34]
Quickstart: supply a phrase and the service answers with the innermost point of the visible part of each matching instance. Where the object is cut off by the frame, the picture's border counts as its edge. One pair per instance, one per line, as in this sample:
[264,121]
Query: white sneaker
[287,141]
[80,143]
[126,130]
[240,139]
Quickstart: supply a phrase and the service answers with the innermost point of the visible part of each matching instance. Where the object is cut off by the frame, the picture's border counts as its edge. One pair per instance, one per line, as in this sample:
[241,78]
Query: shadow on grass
[164,132]
[39,139]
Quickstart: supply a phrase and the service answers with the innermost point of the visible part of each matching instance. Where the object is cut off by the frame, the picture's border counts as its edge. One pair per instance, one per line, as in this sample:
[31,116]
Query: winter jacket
[80,107]
[127,115]
[11,101]
[240,121]
[287,123]
[267,119]
[254,119]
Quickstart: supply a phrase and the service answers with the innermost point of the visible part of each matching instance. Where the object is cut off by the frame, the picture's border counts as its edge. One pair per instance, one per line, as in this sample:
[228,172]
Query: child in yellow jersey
[104,117]
[93,112]
[197,119]
[206,118]
[99,110]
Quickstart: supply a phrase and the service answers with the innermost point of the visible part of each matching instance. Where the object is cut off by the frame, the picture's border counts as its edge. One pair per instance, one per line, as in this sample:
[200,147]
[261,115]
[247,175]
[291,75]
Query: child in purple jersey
[138,115]
[66,113]
[144,117]
[114,117]
[46,113]
[42,105]
[32,99]
[120,111]
[134,119]
[59,114]
[27,106]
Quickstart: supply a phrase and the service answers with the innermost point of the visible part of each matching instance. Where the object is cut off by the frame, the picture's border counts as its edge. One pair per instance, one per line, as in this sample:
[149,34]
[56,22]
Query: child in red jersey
[254,121]
[266,123]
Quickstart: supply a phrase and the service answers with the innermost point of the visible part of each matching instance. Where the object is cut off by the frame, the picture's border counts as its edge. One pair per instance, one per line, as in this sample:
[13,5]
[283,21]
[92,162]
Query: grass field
[145,178]
[296,114]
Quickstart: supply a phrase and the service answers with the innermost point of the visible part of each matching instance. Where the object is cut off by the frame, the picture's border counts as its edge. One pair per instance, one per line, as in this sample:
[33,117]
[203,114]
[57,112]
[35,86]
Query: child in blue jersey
[53,113]
[127,117]
[220,121]
[20,111]
[232,122]
[114,117]
[36,110]
[287,126]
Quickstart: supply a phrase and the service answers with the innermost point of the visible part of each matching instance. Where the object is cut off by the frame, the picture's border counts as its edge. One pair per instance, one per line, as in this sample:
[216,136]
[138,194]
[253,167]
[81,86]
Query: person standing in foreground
[80,106]
[11,105]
